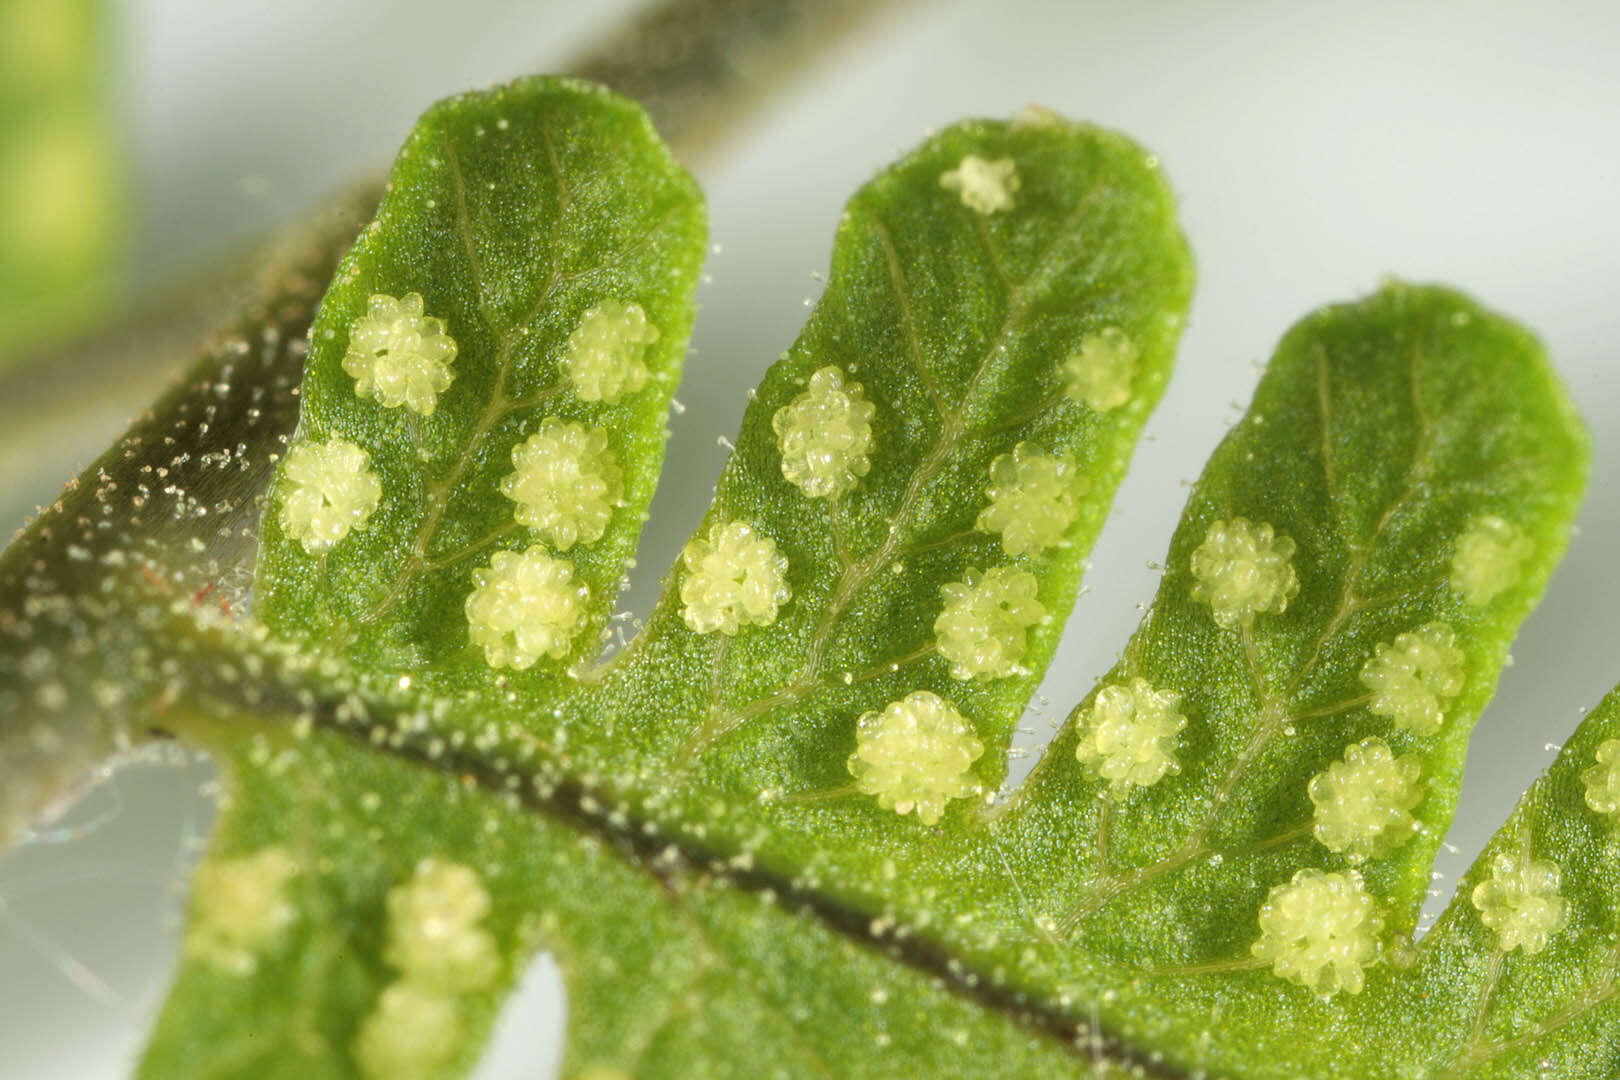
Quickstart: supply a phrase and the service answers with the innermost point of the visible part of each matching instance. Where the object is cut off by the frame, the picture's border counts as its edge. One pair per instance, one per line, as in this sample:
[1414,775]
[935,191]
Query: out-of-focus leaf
[61,182]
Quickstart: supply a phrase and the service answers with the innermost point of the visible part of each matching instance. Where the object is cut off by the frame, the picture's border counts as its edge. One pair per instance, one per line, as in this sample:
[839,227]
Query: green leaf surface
[956,324]
[1552,1012]
[1152,978]
[1380,433]
[670,971]
[512,214]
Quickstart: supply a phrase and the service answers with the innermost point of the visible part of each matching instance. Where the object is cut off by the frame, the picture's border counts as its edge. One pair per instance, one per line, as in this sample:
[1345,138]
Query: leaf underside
[677,823]
[510,232]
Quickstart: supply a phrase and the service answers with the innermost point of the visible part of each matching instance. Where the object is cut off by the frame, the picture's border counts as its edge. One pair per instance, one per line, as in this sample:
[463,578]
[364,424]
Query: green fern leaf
[766,837]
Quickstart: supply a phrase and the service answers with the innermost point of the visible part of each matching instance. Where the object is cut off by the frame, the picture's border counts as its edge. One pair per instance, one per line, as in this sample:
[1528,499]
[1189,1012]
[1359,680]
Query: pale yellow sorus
[566,484]
[523,606]
[1414,678]
[413,1033]
[1520,902]
[1364,803]
[1488,559]
[1036,116]
[1321,930]
[1242,570]
[398,355]
[985,186]
[1032,499]
[434,934]
[238,907]
[1128,736]
[441,951]
[329,489]
[915,754]
[1602,780]
[604,357]
[734,578]
[983,630]
[1100,372]
[825,435]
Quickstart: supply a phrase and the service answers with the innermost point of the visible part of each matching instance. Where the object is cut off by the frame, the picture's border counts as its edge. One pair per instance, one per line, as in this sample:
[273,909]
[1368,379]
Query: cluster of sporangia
[435,945]
[916,754]
[1322,929]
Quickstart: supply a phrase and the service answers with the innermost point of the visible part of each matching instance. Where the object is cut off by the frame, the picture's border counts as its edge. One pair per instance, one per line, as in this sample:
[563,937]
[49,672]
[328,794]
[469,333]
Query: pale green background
[1316,147]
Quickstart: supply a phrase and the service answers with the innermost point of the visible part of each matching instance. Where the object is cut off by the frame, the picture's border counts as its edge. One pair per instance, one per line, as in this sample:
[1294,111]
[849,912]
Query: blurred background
[145,145]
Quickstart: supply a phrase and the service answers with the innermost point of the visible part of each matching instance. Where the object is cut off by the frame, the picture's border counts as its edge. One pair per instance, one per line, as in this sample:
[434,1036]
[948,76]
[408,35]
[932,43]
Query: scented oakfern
[767,836]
